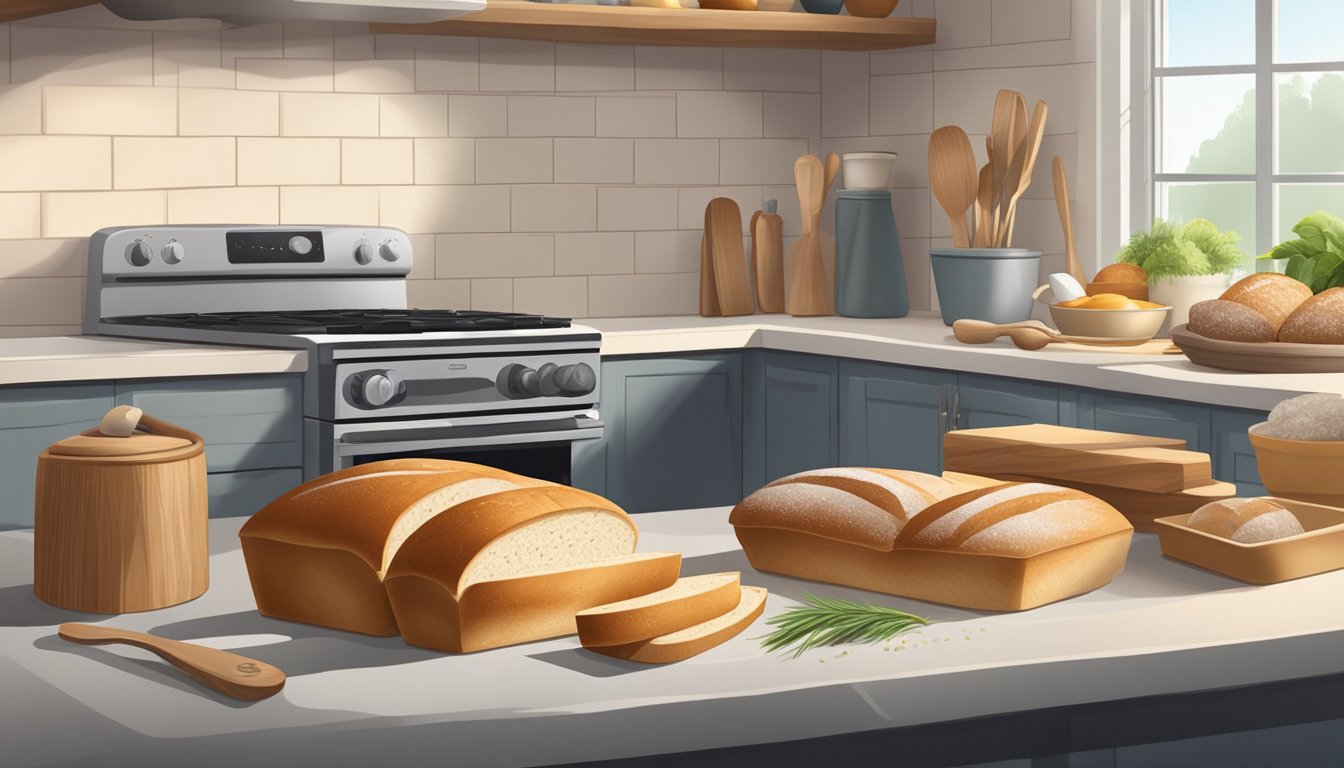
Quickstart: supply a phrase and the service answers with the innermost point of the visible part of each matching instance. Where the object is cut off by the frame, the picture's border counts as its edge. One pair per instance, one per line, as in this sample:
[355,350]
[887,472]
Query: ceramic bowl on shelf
[729,5]
[868,170]
[1307,470]
[823,6]
[871,9]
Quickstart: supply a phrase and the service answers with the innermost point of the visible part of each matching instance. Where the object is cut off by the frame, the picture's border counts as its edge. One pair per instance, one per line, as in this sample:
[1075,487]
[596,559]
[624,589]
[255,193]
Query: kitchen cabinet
[673,431]
[32,418]
[1138,415]
[892,415]
[791,416]
[994,401]
[1233,455]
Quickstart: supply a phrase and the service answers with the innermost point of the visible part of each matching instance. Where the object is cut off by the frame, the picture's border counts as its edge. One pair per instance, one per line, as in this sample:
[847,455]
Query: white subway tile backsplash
[80,56]
[268,161]
[44,258]
[374,76]
[637,116]
[477,256]
[413,114]
[900,62]
[759,161]
[792,115]
[94,110]
[425,208]
[285,74]
[616,295]
[692,201]
[354,42]
[1062,87]
[910,208]
[594,161]
[20,108]
[492,294]
[377,161]
[636,208]
[20,215]
[595,253]
[159,163]
[901,104]
[35,163]
[999,56]
[191,58]
[844,94]
[674,251]
[918,273]
[445,161]
[470,115]
[963,23]
[517,65]
[771,69]
[452,64]
[42,306]
[594,67]
[259,41]
[554,208]
[1027,21]
[659,68]
[221,112]
[676,161]
[309,39]
[242,205]
[422,250]
[555,296]
[552,116]
[719,114]
[324,205]
[438,294]
[80,214]
[328,114]
[514,161]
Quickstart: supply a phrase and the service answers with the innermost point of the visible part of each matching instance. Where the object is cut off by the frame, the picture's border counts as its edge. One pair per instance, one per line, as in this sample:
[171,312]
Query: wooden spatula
[984,209]
[832,169]
[767,260]
[953,177]
[808,177]
[228,673]
[709,294]
[1071,264]
[723,230]
[1020,170]
[1000,152]
[809,290]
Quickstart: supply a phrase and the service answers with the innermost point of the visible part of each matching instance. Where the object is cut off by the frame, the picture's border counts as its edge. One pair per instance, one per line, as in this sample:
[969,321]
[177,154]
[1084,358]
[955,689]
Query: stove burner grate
[352,321]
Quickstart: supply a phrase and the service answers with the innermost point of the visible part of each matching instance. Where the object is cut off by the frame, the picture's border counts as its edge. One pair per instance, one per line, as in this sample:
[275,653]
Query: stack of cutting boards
[1143,477]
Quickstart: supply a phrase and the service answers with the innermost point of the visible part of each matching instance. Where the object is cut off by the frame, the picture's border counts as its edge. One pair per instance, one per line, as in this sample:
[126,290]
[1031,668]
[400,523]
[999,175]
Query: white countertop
[1161,627]
[99,358]
[923,340]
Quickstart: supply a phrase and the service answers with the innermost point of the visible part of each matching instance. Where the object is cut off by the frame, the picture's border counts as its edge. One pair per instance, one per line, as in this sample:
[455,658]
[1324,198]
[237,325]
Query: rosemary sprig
[830,621]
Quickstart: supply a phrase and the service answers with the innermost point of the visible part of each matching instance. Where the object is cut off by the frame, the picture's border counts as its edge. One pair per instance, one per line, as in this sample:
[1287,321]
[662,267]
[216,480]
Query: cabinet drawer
[235,494]
[1233,454]
[800,414]
[995,401]
[250,422]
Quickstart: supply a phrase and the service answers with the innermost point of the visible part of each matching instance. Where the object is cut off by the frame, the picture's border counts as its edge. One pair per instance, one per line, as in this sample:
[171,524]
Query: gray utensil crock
[992,284]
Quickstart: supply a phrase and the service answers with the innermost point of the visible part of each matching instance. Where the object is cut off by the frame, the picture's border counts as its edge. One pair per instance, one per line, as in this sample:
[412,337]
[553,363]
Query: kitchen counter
[923,340]
[1160,628]
[97,358]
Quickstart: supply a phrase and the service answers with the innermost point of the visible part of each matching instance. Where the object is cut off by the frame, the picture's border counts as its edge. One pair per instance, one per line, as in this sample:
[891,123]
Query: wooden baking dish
[1319,549]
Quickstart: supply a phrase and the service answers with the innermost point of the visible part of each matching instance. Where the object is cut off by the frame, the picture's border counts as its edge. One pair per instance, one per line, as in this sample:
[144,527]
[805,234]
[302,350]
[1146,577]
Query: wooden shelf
[13,10]
[629,25]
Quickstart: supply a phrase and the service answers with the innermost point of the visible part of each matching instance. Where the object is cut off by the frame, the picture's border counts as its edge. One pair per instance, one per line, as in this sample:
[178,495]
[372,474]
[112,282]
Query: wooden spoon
[1071,264]
[1028,334]
[228,673]
[1019,172]
[1001,152]
[832,169]
[953,177]
[809,177]
[984,209]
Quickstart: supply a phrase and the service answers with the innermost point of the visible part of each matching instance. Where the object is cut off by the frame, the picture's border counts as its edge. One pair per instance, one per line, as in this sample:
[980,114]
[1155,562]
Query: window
[1248,107]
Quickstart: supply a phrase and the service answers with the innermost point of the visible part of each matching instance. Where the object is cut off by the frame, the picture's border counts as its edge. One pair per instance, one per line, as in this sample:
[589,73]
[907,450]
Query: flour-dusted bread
[1271,295]
[691,600]
[1005,547]
[1245,520]
[517,566]
[1318,320]
[318,553]
[1230,321]
[685,643]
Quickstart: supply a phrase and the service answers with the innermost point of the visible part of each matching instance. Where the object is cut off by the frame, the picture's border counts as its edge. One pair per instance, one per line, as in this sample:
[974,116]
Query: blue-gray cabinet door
[674,431]
[802,419]
[1137,415]
[995,401]
[247,422]
[893,416]
[33,417]
[1233,456]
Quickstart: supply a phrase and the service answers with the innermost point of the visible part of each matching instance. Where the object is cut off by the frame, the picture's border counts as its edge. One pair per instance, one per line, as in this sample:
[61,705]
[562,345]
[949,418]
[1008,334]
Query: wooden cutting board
[767,260]
[1112,459]
[709,295]
[723,233]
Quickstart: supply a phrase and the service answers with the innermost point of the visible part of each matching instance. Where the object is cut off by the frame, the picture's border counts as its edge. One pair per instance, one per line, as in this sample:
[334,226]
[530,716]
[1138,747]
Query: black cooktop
[350,321]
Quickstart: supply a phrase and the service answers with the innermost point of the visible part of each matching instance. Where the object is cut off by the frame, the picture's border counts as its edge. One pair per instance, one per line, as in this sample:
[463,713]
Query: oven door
[539,447]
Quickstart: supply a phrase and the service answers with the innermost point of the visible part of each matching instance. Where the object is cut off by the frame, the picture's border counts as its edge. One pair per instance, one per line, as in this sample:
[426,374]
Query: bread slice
[520,609]
[690,601]
[683,644]
[318,553]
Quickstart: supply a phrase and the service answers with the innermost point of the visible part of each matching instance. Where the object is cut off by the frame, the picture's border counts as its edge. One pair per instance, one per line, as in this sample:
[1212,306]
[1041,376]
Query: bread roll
[1245,520]
[1121,273]
[1318,320]
[691,600]
[1272,295]
[317,554]
[1229,321]
[685,643]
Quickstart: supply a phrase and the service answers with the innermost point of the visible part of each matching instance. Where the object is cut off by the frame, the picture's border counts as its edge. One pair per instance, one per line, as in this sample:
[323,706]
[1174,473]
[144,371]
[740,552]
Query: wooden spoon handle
[228,673]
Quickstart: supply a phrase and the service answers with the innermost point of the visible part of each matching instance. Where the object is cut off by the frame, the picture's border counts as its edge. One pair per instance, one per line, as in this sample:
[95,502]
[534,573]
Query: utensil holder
[991,284]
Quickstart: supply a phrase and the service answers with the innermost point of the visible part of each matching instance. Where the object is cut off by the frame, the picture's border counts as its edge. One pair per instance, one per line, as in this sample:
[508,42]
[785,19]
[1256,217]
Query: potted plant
[1316,257]
[1186,264]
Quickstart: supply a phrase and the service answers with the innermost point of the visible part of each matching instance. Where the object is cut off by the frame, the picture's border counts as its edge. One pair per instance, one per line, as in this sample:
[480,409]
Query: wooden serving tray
[1318,550]
[1262,357]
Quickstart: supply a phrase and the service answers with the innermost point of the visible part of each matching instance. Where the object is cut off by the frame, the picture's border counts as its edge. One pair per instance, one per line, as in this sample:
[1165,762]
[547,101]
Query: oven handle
[399,440]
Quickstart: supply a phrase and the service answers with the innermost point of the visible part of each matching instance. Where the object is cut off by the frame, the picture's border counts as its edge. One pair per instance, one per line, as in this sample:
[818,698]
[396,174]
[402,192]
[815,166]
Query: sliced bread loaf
[685,643]
[690,601]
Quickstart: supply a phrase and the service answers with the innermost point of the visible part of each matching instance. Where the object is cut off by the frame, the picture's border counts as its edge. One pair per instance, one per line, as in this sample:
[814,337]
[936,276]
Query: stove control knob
[172,252]
[300,245]
[546,382]
[518,382]
[139,253]
[364,252]
[390,250]
[574,380]
[375,389]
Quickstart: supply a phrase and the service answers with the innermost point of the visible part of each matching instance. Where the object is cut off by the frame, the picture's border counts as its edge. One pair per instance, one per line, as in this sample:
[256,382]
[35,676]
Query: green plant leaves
[1316,258]
[1197,248]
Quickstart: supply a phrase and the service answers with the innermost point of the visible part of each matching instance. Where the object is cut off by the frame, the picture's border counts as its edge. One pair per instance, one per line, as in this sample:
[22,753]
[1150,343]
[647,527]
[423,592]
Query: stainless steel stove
[503,388]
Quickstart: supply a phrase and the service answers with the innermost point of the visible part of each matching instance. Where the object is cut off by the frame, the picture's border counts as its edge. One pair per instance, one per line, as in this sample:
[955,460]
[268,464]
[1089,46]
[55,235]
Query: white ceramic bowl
[868,170]
[1109,323]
